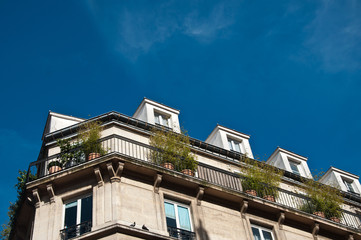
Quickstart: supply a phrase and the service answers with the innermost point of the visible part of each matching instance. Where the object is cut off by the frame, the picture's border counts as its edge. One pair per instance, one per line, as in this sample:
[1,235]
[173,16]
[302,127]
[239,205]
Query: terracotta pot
[269,198]
[93,156]
[320,214]
[252,192]
[335,219]
[54,169]
[188,172]
[168,165]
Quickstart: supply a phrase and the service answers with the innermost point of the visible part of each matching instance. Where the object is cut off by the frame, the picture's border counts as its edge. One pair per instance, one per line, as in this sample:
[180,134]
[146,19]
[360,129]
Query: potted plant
[172,150]
[54,166]
[261,179]
[324,200]
[89,135]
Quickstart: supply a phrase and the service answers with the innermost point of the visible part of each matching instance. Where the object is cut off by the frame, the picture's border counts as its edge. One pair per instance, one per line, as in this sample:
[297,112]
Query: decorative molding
[36,197]
[50,190]
[157,181]
[315,229]
[115,175]
[99,177]
[244,208]
[281,219]
[200,195]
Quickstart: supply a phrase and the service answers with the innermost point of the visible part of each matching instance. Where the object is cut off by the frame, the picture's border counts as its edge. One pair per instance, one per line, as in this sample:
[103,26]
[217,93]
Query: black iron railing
[181,233]
[225,179]
[76,230]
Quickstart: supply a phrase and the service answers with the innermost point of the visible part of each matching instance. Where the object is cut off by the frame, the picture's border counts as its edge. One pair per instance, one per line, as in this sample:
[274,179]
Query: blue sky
[286,72]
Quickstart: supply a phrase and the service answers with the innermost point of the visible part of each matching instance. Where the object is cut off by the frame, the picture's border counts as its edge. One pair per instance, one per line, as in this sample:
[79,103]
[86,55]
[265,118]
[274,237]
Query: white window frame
[176,204]
[349,181]
[78,209]
[297,165]
[162,117]
[262,229]
[232,143]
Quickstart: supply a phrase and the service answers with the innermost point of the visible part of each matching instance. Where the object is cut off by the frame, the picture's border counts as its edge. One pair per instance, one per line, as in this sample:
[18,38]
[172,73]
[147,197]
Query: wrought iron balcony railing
[222,178]
[181,233]
[76,230]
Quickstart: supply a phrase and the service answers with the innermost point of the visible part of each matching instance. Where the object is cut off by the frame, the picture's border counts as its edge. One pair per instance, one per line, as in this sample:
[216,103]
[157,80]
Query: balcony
[76,230]
[181,233]
[140,152]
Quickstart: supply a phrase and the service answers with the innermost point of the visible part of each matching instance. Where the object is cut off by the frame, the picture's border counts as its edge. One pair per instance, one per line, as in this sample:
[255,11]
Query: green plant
[89,135]
[15,207]
[322,198]
[261,177]
[69,152]
[171,147]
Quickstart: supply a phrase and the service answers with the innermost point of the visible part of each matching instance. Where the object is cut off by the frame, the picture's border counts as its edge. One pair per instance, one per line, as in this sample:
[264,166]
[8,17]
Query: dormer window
[348,185]
[161,119]
[234,145]
[295,168]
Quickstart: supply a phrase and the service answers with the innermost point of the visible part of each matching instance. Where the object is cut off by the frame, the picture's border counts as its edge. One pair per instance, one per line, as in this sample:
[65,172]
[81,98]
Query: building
[123,195]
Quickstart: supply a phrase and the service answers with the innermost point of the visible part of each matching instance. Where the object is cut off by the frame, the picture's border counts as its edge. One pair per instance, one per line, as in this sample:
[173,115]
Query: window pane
[256,234]
[86,209]
[165,121]
[267,235]
[237,146]
[156,118]
[230,144]
[170,215]
[294,168]
[70,214]
[184,221]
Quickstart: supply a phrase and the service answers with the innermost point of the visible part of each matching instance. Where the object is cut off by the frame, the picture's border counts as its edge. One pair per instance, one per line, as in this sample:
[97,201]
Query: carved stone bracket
[200,195]
[36,197]
[315,229]
[244,208]
[281,219]
[99,177]
[115,175]
[350,236]
[157,181]
[50,190]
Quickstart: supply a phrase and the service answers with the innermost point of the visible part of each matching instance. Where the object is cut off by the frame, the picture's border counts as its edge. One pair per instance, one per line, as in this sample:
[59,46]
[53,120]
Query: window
[295,168]
[261,233]
[178,220]
[161,119]
[348,185]
[77,217]
[234,145]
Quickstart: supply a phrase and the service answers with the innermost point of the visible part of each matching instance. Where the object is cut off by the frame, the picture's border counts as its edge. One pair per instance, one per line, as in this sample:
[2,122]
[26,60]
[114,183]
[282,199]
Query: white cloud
[133,30]
[335,35]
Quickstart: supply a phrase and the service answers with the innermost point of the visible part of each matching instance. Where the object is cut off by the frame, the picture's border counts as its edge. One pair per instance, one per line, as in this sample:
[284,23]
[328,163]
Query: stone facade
[123,187]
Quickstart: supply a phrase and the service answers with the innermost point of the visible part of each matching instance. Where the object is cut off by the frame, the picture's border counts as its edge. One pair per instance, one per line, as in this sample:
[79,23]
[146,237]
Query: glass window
[348,185]
[77,217]
[261,233]
[178,220]
[295,168]
[234,145]
[161,119]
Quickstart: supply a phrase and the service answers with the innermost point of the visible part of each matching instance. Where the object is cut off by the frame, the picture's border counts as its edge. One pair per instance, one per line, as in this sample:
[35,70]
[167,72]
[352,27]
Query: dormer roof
[56,121]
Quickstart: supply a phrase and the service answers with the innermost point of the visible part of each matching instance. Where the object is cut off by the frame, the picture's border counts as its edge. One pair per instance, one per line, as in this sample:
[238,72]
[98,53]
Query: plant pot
[269,198]
[168,165]
[335,219]
[188,172]
[320,214]
[93,156]
[252,192]
[54,169]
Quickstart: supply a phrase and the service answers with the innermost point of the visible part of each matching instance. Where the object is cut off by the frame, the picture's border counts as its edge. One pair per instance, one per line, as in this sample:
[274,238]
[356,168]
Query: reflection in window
[260,233]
